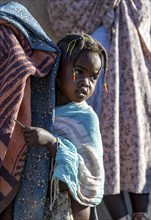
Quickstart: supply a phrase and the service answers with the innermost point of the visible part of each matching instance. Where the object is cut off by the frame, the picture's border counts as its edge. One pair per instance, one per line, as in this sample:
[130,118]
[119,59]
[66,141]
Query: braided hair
[73,44]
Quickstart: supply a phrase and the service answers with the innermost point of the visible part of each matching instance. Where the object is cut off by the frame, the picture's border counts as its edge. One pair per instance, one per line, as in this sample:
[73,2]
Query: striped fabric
[79,159]
[18,61]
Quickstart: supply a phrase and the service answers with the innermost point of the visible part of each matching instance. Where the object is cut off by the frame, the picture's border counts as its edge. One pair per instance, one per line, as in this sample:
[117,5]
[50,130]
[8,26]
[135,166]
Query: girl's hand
[38,137]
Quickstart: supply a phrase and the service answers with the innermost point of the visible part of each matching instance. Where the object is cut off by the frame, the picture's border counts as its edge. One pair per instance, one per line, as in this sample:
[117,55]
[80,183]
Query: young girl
[77,174]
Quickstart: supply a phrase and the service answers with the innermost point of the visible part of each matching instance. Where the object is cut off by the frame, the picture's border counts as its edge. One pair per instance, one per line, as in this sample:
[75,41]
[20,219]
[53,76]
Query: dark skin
[87,69]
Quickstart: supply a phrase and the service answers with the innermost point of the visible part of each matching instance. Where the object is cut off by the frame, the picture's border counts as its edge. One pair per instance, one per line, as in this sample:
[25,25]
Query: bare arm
[37,137]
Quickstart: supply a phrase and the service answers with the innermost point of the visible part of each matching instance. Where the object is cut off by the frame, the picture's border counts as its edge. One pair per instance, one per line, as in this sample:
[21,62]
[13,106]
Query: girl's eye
[78,72]
[94,77]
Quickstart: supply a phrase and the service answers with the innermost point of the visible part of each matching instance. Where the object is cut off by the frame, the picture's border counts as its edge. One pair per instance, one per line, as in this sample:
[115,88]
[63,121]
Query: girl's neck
[59,98]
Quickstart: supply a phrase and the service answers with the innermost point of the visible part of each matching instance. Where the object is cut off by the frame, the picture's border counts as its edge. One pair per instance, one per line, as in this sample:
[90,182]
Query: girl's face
[79,86]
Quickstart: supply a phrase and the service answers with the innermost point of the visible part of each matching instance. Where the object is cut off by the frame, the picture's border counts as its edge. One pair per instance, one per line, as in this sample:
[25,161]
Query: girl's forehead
[85,59]
[88,57]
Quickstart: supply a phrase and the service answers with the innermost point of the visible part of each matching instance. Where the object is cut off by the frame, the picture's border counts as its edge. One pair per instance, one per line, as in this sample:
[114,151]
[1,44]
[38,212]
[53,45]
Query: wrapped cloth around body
[20,58]
[79,160]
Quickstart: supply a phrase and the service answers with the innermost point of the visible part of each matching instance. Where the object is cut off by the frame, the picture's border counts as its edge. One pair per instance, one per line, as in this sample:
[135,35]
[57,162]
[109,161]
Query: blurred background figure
[124,27]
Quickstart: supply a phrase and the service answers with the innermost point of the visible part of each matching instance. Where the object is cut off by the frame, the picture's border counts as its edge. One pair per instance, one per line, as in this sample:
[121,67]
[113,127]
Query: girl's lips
[81,93]
[84,91]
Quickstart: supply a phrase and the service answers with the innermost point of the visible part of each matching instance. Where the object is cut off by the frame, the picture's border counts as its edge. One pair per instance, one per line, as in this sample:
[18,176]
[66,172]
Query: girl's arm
[37,137]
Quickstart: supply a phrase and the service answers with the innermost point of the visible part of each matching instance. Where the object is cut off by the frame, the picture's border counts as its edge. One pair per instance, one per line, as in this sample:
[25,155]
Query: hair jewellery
[73,75]
[68,54]
[72,45]
[105,86]
[105,69]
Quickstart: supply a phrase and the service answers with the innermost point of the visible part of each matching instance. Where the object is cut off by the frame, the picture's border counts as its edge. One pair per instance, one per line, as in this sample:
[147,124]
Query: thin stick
[19,123]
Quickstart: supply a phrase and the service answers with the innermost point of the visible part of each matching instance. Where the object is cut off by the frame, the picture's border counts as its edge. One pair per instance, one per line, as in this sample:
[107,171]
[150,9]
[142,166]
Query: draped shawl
[126,109]
[80,15]
[79,160]
[25,51]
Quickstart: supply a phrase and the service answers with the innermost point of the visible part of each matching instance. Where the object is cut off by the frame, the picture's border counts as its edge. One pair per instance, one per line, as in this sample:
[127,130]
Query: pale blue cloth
[79,160]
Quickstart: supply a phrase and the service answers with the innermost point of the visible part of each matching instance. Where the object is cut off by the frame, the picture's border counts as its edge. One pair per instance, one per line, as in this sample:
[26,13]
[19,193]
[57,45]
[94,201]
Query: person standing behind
[123,27]
[28,63]
[125,111]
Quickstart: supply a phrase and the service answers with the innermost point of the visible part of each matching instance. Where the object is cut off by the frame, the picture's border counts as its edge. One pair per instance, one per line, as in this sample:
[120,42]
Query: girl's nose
[85,82]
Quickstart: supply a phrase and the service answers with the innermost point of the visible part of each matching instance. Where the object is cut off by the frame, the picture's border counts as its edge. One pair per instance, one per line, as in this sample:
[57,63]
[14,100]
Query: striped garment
[79,160]
[19,59]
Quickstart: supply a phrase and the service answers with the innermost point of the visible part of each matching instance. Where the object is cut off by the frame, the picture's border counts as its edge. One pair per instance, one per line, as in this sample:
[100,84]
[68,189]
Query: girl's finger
[27,135]
[28,142]
[27,139]
[28,129]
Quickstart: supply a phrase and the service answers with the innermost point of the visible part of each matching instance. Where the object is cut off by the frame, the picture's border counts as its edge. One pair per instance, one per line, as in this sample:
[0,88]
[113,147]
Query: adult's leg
[139,202]
[116,205]
[139,205]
